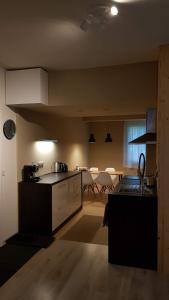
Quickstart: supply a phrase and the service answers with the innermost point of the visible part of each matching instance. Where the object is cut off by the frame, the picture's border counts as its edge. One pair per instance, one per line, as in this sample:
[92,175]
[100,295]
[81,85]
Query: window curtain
[132,130]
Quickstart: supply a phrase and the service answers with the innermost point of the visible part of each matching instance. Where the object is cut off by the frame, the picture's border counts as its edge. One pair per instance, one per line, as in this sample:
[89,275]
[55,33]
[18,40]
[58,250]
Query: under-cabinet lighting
[48,140]
[44,146]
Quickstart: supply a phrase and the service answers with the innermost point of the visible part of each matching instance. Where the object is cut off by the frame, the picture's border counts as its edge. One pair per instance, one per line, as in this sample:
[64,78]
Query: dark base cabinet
[35,208]
[45,206]
[132,231]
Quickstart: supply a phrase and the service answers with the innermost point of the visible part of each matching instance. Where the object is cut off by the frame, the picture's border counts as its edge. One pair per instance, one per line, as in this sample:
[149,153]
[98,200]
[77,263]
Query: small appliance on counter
[28,173]
[150,181]
[60,167]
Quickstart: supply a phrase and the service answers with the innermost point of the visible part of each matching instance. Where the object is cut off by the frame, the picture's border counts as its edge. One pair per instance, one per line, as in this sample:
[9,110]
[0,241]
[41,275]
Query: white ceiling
[88,113]
[47,33]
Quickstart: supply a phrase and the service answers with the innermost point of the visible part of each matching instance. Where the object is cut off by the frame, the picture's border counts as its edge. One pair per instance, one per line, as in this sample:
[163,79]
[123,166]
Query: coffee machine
[28,173]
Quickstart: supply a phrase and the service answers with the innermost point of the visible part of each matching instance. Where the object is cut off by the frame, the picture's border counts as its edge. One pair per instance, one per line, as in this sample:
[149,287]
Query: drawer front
[59,203]
[74,193]
[66,199]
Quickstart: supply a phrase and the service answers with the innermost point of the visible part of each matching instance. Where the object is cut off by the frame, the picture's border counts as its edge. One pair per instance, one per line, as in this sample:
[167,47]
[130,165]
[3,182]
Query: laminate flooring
[72,270]
[92,206]
[89,229]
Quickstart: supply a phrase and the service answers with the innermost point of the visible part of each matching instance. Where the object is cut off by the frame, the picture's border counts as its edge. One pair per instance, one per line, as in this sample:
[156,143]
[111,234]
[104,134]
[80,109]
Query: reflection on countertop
[54,178]
[130,185]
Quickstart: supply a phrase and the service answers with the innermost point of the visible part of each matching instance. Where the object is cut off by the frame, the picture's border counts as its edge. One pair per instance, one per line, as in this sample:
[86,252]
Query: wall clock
[9,129]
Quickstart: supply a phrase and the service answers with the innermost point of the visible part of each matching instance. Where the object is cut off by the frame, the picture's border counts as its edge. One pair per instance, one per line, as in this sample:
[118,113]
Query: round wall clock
[9,129]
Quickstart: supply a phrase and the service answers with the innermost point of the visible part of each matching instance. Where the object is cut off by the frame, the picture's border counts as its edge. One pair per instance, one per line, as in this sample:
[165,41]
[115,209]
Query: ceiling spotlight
[114,11]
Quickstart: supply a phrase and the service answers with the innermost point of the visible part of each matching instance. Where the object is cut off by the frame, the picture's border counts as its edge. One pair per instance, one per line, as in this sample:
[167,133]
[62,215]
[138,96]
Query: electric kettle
[60,167]
[57,168]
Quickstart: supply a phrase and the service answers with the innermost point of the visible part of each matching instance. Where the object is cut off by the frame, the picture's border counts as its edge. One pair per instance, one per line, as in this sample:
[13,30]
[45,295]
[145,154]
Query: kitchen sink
[133,189]
[129,188]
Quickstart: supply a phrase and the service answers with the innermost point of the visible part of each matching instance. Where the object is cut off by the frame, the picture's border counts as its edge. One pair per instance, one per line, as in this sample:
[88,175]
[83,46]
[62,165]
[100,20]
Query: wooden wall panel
[163,160]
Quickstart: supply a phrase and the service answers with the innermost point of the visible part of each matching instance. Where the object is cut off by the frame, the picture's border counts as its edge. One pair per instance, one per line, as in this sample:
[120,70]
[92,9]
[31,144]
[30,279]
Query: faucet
[141,171]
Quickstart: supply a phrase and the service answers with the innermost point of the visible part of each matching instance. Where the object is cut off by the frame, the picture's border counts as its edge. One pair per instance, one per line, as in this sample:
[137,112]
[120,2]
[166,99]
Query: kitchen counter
[53,178]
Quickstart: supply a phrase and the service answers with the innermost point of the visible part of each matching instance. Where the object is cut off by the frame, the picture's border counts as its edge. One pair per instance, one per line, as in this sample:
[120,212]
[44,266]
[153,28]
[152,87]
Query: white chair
[104,179]
[114,178]
[110,170]
[81,168]
[88,182]
[94,172]
[93,169]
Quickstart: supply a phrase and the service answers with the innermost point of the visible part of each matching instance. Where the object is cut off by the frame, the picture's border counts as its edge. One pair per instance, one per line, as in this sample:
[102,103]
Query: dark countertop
[53,178]
[130,185]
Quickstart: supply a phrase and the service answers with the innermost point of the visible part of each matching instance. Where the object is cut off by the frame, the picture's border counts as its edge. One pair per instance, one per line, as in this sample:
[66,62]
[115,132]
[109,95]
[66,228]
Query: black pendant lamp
[108,138]
[92,139]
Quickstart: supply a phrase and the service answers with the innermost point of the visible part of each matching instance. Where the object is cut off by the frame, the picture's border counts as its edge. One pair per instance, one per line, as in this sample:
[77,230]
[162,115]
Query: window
[132,130]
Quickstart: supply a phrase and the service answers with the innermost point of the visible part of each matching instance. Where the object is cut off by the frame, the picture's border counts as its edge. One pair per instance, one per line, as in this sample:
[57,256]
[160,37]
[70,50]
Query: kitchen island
[132,225]
[46,205]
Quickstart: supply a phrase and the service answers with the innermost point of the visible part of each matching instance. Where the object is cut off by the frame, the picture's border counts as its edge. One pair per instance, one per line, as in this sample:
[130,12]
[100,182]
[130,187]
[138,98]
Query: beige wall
[71,148]
[8,173]
[72,134]
[103,154]
[129,89]
[28,133]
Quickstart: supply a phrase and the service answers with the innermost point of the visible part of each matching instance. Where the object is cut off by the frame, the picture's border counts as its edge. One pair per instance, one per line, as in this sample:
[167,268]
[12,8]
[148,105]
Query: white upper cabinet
[28,86]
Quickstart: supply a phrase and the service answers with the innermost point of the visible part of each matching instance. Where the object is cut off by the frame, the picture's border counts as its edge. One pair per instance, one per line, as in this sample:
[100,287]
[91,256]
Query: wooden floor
[72,270]
[92,205]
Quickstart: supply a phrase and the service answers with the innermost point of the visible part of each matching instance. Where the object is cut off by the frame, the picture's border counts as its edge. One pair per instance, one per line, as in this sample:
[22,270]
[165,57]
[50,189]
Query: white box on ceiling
[28,86]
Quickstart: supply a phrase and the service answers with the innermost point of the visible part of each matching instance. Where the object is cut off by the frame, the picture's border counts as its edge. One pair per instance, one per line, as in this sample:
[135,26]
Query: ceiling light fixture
[108,138]
[99,15]
[92,139]
[114,11]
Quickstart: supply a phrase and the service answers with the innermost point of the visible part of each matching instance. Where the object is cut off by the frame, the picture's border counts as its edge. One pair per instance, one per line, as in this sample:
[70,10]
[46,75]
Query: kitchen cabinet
[59,203]
[132,225]
[28,86]
[66,197]
[46,205]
